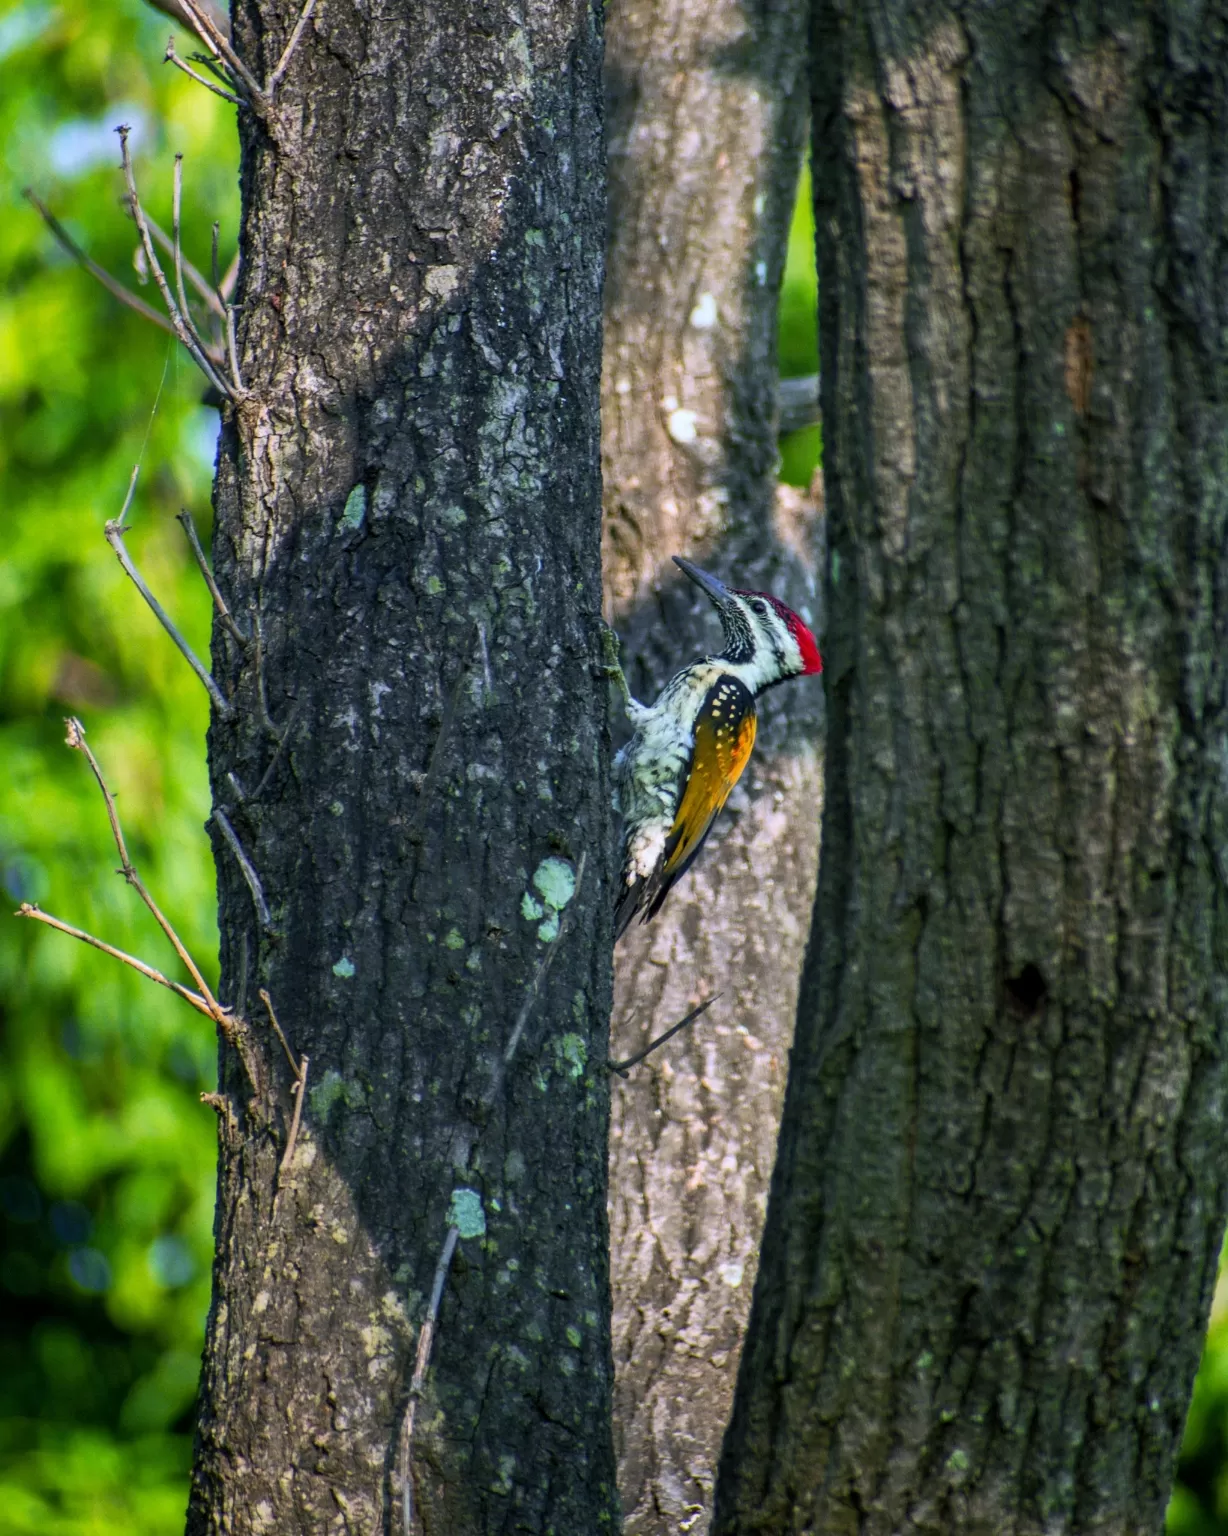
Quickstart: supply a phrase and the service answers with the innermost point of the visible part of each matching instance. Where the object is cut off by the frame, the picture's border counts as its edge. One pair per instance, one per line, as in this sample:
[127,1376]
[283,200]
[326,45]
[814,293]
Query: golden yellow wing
[724,736]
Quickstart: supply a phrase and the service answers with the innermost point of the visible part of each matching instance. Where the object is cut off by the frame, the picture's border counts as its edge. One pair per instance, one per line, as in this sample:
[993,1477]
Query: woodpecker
[690,747]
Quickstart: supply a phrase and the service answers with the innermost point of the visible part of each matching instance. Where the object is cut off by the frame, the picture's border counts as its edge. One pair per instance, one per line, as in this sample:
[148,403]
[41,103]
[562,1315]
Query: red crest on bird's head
[807,645]
[764,638]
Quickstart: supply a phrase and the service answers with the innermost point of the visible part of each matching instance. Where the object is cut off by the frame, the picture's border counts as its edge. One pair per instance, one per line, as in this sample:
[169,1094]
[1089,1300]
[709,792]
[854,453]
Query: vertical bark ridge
[1000,1192]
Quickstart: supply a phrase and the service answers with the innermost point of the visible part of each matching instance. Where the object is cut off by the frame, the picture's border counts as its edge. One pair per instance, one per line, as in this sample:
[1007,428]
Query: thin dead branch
[28,909]
[227,286]
[176,11]
[283,63]
[171,57]
[623,1068]
[499,1076]
[245,865]
[262,697]
[426,1341]
[182,324]
[113,286]
[215,300]
[426,1337]
[115,531]
[226,618]
[218,43]
[202,999]
[182,266]
[278,751]
[299,1090]
[278,1031]
[232,351]
[75,739]
[177,247]
[193,274]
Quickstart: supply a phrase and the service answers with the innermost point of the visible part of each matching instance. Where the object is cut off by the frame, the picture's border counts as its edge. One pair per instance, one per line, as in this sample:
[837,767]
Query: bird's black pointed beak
[710,585]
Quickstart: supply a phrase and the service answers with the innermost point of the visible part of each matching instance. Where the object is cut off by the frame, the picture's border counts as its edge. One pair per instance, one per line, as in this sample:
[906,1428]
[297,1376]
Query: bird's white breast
[649,771]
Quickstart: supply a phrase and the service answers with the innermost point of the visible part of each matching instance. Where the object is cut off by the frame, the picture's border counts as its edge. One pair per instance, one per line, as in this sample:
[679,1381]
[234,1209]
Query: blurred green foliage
[1199,1504]
[106,1154]
[798,344]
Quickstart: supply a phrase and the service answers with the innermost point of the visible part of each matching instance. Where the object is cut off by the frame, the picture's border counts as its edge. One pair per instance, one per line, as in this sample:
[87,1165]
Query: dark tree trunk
[706,120]
[997,1211]
[408,507]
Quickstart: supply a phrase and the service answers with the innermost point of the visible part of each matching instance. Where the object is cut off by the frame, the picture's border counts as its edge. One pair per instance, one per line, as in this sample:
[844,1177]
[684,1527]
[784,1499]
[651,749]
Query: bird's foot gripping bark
[611,667]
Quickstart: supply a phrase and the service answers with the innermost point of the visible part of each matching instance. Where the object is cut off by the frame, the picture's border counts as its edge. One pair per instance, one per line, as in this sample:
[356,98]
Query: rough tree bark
[996,1216]
[408,515]
[706,114]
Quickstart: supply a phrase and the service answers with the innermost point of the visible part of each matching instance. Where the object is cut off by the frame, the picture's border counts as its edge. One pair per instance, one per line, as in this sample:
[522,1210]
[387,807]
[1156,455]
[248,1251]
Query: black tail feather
[629,903]
[643,897]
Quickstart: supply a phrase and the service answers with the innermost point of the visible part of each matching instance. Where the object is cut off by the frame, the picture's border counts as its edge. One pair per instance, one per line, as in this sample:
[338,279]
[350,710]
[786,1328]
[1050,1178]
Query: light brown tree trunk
[1002,1181]
[408,518]
[706,115]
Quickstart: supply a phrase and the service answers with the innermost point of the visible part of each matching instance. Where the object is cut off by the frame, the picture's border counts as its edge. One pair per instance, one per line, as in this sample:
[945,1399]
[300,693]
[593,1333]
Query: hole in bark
[1028,990]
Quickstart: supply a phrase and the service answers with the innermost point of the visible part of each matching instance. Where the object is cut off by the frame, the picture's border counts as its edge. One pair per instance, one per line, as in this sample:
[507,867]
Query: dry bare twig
[177,246]
[115,531]
[203,999]
[278,1031]
[298,1088]
[219,45]
[75,738]
[175,10]
[227,285]
[171,57]
[231,349]
[211,357]
[181,322]
[214,297]
[623,1068]
[426,1341]
[193,274]
[282,743]
[262,697]
[226,618]
[30,909]
[232,1024]
[225,59]
[245,865]
[113,286]
[426,1337]
[283,64]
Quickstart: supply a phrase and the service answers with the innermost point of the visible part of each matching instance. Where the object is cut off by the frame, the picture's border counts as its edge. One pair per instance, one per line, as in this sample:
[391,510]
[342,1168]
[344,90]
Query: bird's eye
[758,605]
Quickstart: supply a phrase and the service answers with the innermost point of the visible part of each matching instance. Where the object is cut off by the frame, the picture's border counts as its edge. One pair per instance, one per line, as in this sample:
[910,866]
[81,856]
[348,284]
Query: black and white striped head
[765,641]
